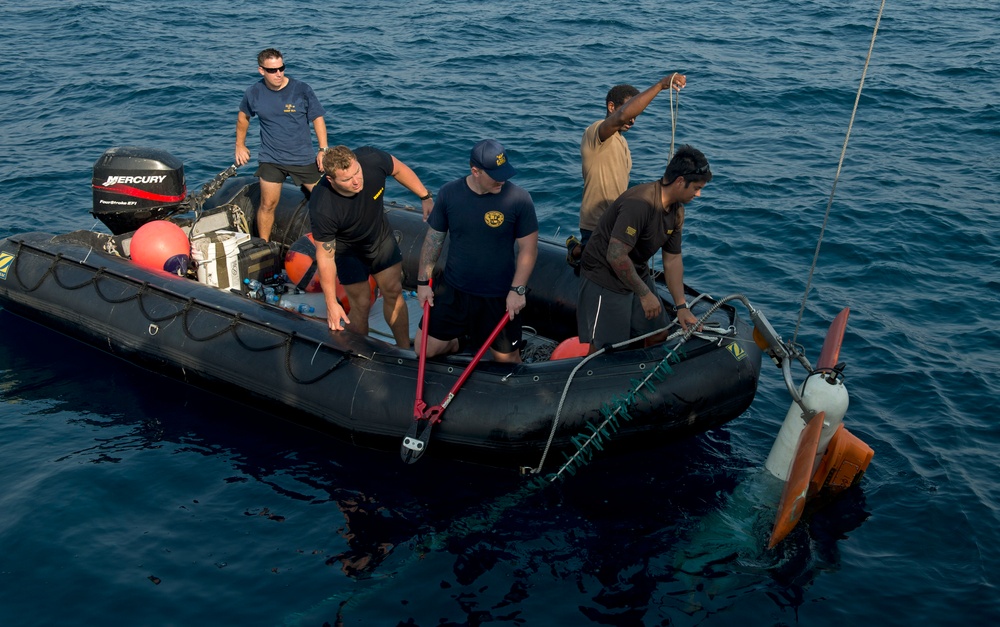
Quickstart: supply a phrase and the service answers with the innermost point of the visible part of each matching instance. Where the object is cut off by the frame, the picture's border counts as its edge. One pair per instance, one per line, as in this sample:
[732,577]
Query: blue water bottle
[253,288]
[306,309]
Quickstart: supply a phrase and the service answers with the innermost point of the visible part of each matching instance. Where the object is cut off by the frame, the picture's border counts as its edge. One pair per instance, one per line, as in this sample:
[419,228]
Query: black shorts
[456,314]
[301,175]
[354,266]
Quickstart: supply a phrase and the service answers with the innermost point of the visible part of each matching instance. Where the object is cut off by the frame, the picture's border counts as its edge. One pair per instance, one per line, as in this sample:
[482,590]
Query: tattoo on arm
[330,247]
[431,250]
[624,269]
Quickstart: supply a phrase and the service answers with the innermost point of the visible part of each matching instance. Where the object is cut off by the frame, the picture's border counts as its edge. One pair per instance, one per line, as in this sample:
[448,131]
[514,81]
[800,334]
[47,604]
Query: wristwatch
[519,289]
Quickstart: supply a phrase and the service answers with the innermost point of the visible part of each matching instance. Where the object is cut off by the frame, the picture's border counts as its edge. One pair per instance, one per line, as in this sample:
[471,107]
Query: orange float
[300,266]
[161,245]
[570,348]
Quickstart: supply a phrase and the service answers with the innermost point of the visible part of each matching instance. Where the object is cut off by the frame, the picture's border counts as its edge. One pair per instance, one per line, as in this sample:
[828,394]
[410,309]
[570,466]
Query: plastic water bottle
[306,309]
[253,288]
[274,299]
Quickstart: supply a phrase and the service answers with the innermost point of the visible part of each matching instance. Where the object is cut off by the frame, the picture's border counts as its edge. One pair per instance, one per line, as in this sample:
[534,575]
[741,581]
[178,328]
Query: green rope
[618,408]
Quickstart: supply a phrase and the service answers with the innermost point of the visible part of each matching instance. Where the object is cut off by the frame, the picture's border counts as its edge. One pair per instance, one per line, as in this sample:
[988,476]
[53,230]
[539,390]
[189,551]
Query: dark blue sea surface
[131,499]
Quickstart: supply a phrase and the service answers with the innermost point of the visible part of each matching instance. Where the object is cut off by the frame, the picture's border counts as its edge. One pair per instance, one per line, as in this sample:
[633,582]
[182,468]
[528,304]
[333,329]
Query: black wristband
[422,283]
[427,197]
[679,307]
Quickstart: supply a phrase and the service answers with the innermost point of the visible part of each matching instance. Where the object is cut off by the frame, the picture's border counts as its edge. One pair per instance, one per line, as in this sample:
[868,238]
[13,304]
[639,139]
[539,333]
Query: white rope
[840,165]
[674,106]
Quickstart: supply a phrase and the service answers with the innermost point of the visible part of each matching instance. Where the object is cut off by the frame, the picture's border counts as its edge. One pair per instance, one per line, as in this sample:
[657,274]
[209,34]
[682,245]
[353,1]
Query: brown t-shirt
[639,219]
[606,168]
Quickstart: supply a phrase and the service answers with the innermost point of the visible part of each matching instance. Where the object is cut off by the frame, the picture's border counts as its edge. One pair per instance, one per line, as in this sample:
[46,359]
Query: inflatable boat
[203,319]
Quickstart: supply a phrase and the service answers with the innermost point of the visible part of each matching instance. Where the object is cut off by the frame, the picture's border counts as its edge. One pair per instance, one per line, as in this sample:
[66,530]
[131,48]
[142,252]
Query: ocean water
[129,498]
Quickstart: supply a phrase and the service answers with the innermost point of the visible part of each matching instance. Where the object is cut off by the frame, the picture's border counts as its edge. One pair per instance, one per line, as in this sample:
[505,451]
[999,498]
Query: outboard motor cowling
[133,185]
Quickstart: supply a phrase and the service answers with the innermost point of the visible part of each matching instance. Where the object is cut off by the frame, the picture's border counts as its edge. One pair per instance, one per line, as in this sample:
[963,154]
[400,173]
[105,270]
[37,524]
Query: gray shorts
[604,317]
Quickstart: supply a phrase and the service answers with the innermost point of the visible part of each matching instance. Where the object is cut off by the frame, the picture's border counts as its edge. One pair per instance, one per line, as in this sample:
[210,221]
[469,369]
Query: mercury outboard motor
[134,185]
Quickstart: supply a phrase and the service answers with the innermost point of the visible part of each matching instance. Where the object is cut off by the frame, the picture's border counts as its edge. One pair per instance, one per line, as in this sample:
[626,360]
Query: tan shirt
[606,168]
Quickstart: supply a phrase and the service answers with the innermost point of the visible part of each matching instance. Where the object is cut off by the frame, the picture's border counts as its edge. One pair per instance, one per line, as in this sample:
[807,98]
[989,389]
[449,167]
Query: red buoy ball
[161,245]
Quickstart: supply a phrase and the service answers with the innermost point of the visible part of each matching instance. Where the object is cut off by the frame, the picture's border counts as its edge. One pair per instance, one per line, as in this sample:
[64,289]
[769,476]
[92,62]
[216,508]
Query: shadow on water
[126,409]
[671,534]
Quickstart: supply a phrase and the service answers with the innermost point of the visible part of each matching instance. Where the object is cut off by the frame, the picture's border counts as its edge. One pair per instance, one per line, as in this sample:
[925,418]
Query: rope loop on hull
[187,310]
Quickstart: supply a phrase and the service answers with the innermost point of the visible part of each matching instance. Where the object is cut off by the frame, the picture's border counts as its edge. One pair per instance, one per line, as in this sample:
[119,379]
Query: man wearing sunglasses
[618,299]
[285,107]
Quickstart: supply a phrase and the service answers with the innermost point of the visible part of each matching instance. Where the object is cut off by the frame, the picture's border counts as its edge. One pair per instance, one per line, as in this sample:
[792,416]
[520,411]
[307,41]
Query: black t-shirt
[638,219]
[357,222]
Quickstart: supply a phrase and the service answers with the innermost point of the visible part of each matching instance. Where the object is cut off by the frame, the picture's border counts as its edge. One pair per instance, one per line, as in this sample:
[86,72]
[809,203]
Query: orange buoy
[300,264]
[570,348]
[161,245]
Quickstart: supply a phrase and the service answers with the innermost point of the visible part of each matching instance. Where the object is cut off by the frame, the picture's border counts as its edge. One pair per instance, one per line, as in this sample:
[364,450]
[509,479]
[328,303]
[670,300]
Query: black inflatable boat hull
[362,388]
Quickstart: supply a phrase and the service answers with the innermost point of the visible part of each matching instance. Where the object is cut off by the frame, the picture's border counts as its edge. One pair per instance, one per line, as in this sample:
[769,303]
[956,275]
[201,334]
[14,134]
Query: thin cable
[840,165]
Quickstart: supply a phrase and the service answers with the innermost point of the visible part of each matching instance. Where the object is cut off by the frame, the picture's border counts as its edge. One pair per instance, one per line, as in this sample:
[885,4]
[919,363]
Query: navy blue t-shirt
[482,231]
[284,121]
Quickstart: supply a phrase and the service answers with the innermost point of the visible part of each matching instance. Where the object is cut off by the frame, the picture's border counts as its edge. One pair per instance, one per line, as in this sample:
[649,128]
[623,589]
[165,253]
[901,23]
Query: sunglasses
[272,70]
[702,170]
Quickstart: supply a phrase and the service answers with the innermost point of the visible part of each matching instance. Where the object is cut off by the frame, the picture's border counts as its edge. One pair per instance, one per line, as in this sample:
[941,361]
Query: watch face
[520,290]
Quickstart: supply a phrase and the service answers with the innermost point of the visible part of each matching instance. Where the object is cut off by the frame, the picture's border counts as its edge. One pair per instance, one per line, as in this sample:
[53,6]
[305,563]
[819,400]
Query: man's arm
[406,177]
[326,265]
[527,254]
[673,271]
[242,124]
[319,125]
[624,269]
[429,254]
[624,114]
